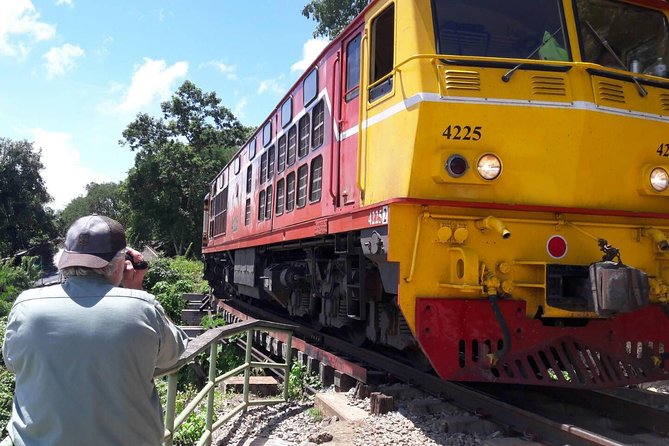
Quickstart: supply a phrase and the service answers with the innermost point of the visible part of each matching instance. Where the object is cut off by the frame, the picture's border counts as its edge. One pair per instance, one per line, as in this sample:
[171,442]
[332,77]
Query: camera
[137,265]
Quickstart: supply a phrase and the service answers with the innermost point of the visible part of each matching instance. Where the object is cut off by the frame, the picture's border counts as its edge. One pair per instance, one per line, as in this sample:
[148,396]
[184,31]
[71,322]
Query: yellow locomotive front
[522,151]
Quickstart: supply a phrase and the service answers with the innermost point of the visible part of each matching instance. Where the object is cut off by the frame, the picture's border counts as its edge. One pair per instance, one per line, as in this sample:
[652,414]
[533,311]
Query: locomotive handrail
[361,120]
[336,121]
[210,339]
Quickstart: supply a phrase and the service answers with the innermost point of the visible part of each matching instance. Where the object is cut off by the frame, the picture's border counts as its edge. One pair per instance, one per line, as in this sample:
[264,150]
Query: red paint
[449,336]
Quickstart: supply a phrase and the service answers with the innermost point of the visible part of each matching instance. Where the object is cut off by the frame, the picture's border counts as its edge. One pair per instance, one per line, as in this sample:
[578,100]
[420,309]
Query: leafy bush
[14,279]
[193,426]
[299,379]
[6,386]
[170,270]
[208,322]
[168,279]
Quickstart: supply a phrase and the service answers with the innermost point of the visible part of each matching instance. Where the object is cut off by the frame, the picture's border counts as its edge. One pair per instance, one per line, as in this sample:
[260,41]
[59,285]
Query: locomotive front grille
[664,101]
[462,80]
[611,92]
[548,85]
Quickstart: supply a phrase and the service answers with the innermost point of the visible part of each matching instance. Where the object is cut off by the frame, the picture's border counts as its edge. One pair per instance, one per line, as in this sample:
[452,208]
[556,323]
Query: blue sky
[75,73]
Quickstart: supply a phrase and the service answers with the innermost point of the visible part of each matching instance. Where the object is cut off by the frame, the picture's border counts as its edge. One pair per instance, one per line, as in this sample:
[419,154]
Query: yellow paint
[574,150]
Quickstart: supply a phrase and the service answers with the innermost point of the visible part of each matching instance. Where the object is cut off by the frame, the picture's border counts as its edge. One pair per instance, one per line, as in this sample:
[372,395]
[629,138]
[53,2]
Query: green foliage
[168,279]
[332,16]
[25,220]
[299,379]
[229,357]
[193,426]
[208,322]
[315,414]
[101,198]
[14,279]
[176,158]
[170,297]
[6,386]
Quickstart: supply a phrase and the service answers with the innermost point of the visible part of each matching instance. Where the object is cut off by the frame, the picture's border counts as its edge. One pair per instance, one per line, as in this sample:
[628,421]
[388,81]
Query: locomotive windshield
[520,29]
[635,36]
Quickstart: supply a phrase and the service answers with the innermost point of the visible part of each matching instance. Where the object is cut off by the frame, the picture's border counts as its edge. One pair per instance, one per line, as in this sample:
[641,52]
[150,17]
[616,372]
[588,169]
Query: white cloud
[62,59]
[64,174]
[311,49]
[69,3]
[20,27]
[271,85]
[151,81]
[230,71]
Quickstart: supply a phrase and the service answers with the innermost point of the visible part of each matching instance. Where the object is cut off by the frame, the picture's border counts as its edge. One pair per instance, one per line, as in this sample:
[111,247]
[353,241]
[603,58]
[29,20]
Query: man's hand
[133,278]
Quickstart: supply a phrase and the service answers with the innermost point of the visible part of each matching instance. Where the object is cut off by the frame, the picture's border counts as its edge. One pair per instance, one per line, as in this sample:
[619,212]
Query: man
[84,351]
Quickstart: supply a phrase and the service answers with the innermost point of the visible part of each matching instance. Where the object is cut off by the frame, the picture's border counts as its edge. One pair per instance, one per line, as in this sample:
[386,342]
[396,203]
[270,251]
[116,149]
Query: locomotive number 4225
[463,132]
[378,216]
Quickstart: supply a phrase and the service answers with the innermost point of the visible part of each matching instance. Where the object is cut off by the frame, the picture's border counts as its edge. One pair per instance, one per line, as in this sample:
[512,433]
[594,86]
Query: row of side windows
[308,133]
[292,191]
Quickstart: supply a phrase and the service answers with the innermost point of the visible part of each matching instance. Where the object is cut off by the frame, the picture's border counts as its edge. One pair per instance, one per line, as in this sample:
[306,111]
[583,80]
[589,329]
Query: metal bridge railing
[210,340]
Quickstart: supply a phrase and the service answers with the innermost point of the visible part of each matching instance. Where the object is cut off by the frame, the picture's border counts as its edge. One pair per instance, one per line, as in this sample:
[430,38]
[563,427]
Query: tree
[25,220]
[176,158]
[101,198]
[332,15]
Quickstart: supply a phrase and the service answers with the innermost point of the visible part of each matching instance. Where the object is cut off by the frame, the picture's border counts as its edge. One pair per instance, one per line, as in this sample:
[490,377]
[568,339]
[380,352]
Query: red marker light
[556,246]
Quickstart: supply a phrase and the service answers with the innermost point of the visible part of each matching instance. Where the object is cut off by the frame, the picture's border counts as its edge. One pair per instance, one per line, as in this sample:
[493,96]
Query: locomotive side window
[237,165]
[520,29]
[263,167]
[252,149]
[247,213]
[261,205]
[316,179]
[353,69]
[302,177]
[220,211]
[290,192]
[292,146]
[270,163]
[303,144]
[310,87]
[383,53]
[280,191]
[267,134]
[318,125]
[268,206]
[281,156]
[636,36]
[286,112]
[249,178]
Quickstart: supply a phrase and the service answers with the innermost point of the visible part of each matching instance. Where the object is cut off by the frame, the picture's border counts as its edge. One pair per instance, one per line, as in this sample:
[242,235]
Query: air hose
[506,335]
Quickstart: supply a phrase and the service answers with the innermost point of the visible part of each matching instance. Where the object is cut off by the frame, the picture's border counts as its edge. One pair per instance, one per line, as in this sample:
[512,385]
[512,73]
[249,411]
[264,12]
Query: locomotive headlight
[456,166]
[489,167]
[659,179]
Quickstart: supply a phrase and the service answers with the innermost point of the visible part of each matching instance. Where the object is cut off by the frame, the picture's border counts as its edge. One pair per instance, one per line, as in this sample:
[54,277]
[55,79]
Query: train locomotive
[484,183]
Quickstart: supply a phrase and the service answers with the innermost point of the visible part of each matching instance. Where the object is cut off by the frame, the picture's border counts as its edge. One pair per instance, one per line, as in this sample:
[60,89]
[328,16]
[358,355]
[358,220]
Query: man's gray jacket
[84,354]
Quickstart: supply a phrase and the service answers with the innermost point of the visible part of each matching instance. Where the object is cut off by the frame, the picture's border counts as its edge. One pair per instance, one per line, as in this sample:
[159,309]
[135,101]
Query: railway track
[547,415]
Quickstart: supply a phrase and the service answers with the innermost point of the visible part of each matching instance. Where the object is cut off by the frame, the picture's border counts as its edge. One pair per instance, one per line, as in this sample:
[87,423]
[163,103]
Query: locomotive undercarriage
[337,283]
